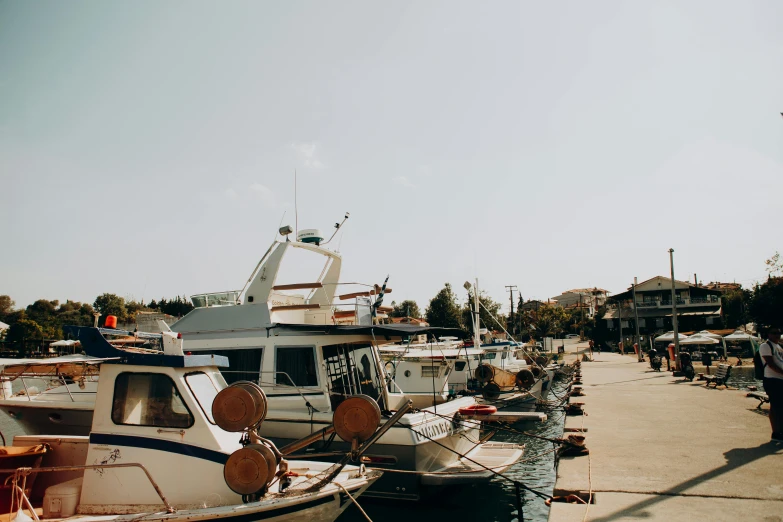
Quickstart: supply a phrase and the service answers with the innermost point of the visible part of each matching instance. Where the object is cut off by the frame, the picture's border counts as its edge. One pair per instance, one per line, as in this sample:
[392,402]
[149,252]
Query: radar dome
[310,235]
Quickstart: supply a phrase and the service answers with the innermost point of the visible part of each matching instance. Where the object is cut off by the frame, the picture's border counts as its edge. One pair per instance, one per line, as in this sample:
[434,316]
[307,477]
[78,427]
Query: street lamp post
[674,315]
[636,321]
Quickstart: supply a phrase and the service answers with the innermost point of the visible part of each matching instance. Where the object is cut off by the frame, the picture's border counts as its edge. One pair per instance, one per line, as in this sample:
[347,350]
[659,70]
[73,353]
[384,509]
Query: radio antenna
[337,227]
[296,208]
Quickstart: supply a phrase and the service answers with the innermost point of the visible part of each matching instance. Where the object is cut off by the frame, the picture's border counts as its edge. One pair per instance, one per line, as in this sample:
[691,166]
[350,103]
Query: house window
[710,320]
[149,399]
[626,324]
[642,323]
[659,322]
[295,366]
[609,324]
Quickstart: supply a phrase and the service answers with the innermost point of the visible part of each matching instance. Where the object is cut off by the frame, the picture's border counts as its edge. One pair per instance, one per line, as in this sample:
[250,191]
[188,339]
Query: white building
[588,298]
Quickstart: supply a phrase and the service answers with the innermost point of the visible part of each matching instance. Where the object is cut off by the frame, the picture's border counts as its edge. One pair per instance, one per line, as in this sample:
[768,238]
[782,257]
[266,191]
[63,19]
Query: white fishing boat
[505,380]
[433,372]
[171,441]
[307,364]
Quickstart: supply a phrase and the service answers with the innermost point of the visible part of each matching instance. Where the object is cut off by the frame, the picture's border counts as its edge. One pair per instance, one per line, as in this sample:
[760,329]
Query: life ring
[478,409]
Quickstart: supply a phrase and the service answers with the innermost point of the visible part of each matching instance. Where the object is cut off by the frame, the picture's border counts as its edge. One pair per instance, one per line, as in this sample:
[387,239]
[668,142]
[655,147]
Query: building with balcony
[698,307]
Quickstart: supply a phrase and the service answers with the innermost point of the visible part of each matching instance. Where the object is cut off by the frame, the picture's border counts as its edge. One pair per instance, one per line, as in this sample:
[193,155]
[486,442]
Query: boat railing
[24,472]
[52,382]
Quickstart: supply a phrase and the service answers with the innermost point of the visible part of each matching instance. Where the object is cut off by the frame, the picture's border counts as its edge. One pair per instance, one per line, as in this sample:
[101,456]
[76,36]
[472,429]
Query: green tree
[443,309]
[177,307]
[545,321]
[111,304]
[407,308]
[766,306]
[6,307]
[489,313]
[774,265]
[24,329]
[735,307]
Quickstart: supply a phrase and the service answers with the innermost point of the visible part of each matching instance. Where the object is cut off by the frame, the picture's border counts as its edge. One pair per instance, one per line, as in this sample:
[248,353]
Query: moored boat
[171,441]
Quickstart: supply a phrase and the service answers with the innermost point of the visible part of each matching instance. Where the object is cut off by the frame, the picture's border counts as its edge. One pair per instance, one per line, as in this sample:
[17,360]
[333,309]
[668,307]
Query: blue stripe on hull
[168,446]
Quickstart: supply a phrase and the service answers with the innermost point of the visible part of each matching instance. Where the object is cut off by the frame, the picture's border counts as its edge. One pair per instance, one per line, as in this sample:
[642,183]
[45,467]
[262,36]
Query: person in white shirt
[772,355]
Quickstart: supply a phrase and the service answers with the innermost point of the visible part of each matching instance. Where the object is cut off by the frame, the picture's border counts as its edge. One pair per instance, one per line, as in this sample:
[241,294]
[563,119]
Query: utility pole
[620,315]
[636,320]
[511,325]
[674,315]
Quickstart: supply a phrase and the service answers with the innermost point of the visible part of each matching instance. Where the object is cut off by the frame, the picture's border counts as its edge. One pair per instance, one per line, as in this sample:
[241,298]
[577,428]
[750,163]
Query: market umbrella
[669,337]
[700,339]
[739,335]
[706,333]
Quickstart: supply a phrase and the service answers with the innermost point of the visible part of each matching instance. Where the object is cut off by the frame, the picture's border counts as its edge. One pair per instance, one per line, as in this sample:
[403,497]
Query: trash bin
[561,349]
[706,359]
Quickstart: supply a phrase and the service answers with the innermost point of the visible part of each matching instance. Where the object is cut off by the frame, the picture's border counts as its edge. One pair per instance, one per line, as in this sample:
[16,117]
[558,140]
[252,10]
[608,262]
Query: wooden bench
[761,396]
[721,375]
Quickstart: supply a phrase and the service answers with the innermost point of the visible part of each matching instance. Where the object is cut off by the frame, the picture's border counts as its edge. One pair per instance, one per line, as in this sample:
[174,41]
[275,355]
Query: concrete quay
[662,448]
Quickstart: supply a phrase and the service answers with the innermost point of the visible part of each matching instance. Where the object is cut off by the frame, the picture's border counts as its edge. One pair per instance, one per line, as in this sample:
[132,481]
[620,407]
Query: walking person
[772,356]
[590,345]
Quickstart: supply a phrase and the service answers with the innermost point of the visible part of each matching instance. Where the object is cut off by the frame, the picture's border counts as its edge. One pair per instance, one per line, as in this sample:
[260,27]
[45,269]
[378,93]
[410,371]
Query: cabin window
[489,356]
[149,399]
[295,366]
[350,370]
[243,364]
[430,371]
[460,365]
[204,390]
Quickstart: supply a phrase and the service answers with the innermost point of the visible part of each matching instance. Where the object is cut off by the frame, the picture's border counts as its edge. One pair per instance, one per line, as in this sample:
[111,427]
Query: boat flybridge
[170,441]
[310,347]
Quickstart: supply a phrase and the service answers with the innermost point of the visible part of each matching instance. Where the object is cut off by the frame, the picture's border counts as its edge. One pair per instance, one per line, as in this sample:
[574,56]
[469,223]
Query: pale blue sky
[148,148]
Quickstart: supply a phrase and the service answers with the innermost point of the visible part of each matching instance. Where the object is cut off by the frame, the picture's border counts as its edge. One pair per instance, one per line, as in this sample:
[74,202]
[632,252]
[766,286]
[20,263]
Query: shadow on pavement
[735,458]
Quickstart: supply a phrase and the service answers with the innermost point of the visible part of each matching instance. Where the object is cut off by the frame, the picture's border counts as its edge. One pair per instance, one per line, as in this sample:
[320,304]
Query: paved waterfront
[665,449]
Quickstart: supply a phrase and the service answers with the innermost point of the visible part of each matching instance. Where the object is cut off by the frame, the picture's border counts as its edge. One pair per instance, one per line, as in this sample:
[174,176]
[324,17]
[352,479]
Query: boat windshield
[351,369]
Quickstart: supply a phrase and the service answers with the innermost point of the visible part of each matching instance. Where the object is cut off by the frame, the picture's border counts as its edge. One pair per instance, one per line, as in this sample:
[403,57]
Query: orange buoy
[111,321]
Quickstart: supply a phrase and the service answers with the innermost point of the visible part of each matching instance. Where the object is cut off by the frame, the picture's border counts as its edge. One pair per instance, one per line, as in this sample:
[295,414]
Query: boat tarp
[379,330]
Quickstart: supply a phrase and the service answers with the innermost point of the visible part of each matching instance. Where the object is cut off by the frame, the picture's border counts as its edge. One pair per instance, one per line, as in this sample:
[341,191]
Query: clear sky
[148,148]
